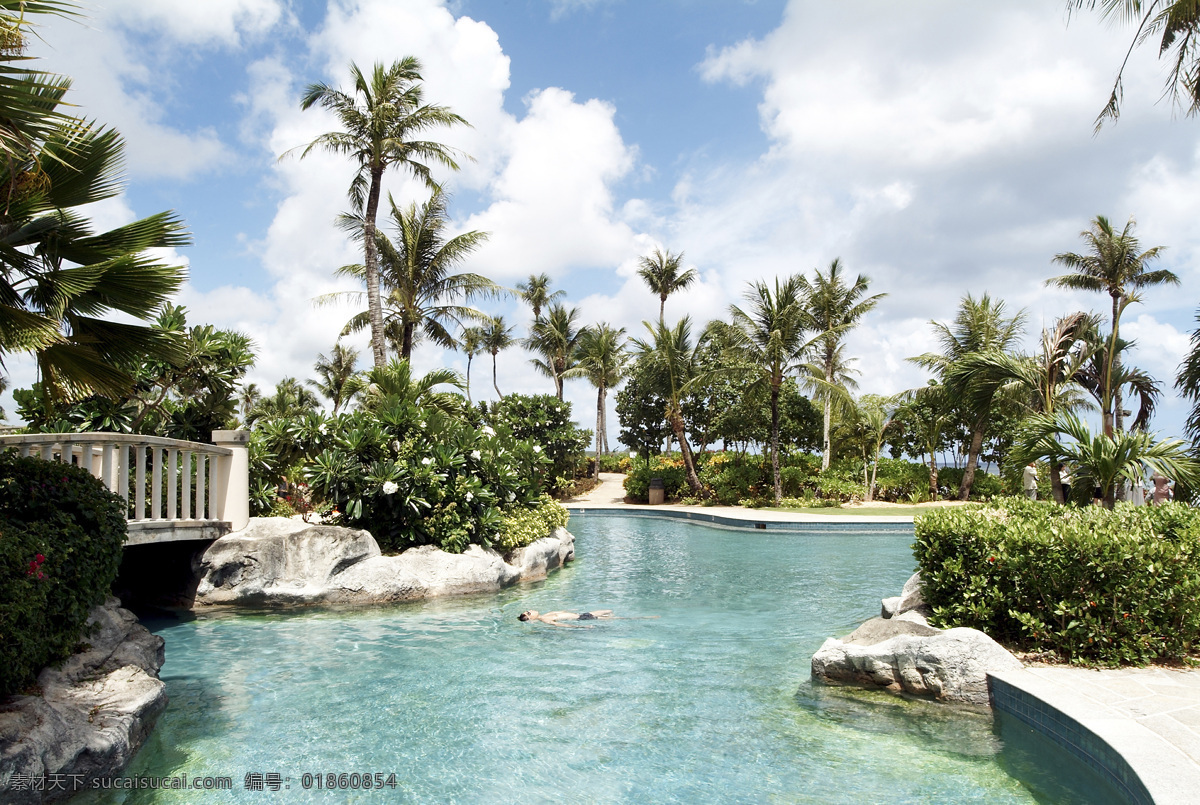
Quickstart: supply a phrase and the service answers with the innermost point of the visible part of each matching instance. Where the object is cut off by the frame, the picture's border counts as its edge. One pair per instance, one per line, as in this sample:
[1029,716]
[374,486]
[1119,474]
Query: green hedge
[524,526]
[66,517]
[1093,585]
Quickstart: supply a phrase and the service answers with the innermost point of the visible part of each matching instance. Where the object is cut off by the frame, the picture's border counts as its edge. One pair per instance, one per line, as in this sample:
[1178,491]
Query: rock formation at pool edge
[278,561]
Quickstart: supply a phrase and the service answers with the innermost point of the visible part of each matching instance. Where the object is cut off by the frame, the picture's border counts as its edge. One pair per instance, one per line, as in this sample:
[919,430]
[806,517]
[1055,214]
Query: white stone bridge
[175,490]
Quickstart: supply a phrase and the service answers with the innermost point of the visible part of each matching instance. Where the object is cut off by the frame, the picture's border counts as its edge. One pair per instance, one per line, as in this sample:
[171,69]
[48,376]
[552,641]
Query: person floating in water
[556,618]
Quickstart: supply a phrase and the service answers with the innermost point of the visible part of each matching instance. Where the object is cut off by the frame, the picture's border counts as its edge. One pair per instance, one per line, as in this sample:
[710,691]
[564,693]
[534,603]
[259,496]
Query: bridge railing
[167,482]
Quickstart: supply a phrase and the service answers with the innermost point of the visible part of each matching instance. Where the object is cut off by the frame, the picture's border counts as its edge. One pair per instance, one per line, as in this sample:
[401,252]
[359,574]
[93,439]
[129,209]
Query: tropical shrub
[544,420]
[615,462]
[413,475]
[985,486]
[669,468]
[524,526]
[61,535]
[1093,585]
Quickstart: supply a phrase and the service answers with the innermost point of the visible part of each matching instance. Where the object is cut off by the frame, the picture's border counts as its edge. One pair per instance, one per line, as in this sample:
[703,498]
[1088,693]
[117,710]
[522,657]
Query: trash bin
[656,492]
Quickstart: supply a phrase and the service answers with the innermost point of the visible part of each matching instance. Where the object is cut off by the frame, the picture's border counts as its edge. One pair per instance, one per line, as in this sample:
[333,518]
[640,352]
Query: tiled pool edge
[876,525]
[1137,761]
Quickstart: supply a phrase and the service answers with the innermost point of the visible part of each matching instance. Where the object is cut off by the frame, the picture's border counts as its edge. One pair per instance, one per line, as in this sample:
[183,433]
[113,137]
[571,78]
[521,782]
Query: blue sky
[937,146]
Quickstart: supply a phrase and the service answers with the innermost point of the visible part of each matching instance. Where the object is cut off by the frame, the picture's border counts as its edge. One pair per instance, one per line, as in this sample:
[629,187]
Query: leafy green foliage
[545,421]
[61,534]
[1092,584]
[522,527]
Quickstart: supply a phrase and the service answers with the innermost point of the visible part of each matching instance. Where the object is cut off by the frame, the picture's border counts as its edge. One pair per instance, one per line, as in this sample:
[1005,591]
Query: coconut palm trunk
[675,416]
[599,428]
[828,445]
[775,477]
[371,255]
[964,489]
[495,384]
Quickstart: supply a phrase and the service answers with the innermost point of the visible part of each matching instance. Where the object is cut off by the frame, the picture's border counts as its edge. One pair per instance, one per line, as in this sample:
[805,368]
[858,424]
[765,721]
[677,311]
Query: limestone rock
[276,561]
[877,630]
[93,713]
[949,665]
[888,606]
[911,598]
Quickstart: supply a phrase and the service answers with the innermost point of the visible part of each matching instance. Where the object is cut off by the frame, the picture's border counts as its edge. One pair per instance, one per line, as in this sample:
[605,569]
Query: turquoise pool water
[708,701]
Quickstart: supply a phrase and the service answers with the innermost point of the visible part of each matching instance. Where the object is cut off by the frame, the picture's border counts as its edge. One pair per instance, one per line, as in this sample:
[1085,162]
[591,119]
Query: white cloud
[222,22]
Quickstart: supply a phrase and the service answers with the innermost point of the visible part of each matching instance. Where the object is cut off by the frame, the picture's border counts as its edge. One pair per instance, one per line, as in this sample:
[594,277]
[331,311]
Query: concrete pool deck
[1138,727]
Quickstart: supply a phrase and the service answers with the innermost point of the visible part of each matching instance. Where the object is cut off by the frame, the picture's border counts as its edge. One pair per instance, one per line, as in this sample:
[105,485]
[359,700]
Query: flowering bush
[544,421]
[61,534]
[524,526]
[1093,585]
[413,475]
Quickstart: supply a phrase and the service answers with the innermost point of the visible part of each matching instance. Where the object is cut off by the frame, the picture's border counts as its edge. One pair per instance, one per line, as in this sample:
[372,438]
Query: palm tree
[1113,265]
[472,345]
[601,358]
[62,285]
[674,359]
[1099,373]
[875,416]
[555,338]
[1187,381]
[835,308]
[395,384]
[1103,460]
[770,336]
[248,398]
[1048,382]
[338,379]
[661,271]
[289,401]
[417,271]
[536,293]
[979,326]
[380,123]
[928,410]
[1177,24]
[495,338]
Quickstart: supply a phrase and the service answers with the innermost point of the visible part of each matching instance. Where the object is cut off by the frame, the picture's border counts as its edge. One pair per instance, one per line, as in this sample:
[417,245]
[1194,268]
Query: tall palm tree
[1099,373]
[835,308]
[555,338]
[1112,265]
[1177,25]
[674,359]
[602,359]
[380,121]
[662,273]
[1048,382]
[536,293]
[337,375]
[770,336]
[62,284]
[929,412]
[472,345]
[1187,381]
[979,326]
[417,270]
[289,400]
[875,415]
[248,398]
[497,337]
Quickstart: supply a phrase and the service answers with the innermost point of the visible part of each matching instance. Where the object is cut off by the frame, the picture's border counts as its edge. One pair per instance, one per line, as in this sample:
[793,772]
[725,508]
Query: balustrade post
[231,486]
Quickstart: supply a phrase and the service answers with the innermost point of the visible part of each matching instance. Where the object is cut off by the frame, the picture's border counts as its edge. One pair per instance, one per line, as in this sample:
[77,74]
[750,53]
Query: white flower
[421,424]
[470,497]
[396,446]
[475,454]
[537,449]
[426,461]
[512,496]
[487,430]
[389,488]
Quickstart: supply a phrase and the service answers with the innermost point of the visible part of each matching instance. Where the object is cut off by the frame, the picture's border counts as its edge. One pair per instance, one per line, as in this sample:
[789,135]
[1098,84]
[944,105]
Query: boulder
[276,561]
[92,713]
[906,656]
[911,598]
[888,606]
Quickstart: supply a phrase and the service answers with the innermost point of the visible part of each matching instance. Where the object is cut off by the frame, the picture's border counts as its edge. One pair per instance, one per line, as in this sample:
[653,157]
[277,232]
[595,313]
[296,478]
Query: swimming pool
[707,701]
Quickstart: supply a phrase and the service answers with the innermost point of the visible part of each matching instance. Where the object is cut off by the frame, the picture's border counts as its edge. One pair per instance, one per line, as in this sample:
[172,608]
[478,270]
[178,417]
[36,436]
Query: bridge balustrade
[176,490]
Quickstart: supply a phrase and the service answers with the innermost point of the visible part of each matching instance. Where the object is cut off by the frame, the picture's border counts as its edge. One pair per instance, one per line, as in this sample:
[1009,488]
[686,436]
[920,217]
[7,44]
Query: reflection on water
[710,701]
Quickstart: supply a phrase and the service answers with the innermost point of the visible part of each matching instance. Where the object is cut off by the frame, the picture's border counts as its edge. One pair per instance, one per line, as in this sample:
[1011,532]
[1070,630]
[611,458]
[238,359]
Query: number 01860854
[333,781]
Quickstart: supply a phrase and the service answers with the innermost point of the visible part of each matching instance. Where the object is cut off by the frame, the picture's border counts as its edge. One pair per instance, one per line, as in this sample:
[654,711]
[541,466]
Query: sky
[938,147]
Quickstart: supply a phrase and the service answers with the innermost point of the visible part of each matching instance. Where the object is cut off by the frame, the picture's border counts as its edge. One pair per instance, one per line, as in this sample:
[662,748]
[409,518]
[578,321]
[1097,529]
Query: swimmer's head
[529,615]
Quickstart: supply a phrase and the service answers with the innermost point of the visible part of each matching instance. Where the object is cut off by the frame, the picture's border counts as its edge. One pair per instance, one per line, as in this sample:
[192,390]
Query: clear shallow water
[710,701]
